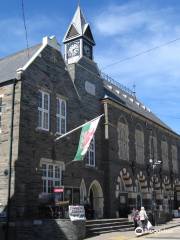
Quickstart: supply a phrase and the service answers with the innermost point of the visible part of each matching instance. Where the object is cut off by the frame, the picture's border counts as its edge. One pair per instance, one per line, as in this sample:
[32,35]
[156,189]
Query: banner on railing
[77,213]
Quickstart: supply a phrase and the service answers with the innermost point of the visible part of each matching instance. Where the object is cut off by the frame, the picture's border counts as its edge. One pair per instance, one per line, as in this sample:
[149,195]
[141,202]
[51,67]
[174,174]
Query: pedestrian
[135,217]
[143,217]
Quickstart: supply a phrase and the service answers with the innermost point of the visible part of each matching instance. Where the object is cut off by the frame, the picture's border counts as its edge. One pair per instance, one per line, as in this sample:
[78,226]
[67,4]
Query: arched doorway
[96,199]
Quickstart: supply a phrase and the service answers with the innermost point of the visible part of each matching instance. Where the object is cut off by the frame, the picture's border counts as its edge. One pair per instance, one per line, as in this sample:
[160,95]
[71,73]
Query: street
[169,234]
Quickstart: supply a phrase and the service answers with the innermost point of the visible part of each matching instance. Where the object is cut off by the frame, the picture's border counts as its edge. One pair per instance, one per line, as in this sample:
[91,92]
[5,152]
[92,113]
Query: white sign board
[77,213]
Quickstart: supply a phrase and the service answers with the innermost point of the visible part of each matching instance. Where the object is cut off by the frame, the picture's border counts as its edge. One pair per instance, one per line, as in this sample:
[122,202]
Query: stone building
[43,95]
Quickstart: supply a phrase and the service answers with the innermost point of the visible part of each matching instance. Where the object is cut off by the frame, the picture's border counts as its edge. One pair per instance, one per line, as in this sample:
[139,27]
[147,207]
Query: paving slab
[130,235]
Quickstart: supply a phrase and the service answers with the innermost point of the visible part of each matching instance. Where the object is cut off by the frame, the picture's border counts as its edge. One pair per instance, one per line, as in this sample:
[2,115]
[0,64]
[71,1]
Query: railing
[117,84]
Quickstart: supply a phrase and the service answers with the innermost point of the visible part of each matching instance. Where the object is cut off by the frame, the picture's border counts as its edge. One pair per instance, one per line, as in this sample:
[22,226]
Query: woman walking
[143,217]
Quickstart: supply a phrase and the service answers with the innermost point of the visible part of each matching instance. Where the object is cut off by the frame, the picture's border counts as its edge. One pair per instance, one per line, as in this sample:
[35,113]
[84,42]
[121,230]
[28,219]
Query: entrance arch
[96,199]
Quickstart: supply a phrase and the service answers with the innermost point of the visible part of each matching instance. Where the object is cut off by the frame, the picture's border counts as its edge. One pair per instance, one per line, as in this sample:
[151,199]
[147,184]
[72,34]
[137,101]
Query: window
[139,141]
[164,152]
[153,147]
[51,176]
[174,159]
[0,113]
[90,155]
[60,116]
[123,139]
[43,110]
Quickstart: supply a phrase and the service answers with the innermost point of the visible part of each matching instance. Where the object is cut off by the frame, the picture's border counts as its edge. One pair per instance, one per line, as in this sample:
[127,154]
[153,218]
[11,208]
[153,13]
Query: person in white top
[143,217]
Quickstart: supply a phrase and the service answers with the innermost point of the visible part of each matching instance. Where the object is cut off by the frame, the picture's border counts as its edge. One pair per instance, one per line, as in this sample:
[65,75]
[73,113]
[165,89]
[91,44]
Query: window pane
[40,99]
[63,108]
[57,184]
[57,106]
[46,101]
[46,121]
[50,171]
[63,125]
[58,124]
[50,186]
[57,172]
[39,118]
[44,170]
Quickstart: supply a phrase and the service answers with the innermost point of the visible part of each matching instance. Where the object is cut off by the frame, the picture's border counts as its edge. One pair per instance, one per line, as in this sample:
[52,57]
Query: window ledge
[91,166]
[42,129]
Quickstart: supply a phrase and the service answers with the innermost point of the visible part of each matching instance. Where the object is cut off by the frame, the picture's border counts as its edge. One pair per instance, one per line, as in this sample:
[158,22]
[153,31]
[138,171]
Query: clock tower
[78,39]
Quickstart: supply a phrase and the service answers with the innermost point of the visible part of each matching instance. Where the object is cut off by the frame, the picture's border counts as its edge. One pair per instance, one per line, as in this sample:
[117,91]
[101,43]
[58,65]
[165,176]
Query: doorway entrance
[96,199]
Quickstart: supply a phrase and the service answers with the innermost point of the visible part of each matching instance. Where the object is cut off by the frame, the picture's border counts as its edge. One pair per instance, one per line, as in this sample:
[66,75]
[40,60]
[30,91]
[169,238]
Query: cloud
[130,30]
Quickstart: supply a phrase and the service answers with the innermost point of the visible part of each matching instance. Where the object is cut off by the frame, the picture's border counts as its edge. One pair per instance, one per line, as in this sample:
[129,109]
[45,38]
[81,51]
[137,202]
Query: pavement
[130,235]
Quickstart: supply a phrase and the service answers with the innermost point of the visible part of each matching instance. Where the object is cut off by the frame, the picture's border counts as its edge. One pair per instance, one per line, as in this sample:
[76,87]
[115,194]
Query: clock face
[73,49]
[87,51]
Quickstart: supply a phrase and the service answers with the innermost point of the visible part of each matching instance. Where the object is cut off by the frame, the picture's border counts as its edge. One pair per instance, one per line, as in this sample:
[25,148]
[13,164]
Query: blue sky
[121,29]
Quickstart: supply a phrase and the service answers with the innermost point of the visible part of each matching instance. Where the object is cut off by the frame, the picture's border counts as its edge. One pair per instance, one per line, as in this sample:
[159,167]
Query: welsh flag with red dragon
[86,136]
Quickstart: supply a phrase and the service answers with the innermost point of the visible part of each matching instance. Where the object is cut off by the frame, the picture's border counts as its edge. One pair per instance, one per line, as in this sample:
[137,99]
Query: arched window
[164,153]
[138,186]
[83,192]
[139,144]
[174,158]
[120,187]
[123,139]
[153,147]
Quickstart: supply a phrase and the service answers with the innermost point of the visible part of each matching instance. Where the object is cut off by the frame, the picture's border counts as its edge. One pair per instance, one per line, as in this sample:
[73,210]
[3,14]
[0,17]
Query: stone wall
[6,93]
[48,72]
[133,169]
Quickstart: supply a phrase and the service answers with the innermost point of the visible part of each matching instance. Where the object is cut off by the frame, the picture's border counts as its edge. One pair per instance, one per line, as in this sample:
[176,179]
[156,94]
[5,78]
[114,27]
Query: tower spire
[78,39]
[79,27]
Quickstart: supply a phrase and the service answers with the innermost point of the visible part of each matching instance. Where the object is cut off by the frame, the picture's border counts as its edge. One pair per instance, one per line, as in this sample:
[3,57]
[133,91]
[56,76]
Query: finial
[134,89]
[79,1]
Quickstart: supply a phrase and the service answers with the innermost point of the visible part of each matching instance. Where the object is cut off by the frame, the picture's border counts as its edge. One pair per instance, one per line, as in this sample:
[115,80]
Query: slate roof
[79,27]
[112,89]
[130,101]
[11,63]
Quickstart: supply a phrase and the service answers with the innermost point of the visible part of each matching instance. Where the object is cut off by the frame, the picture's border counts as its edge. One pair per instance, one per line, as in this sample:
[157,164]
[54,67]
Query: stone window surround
[90,157]
[44,111]
[164,153]
[174,158]
[50,162]
[139,144]
[123,138]
[60,116]
[153,151]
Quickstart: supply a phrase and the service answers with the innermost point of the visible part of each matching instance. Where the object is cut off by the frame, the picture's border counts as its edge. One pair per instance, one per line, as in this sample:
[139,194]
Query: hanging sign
[58,190]
[77,213]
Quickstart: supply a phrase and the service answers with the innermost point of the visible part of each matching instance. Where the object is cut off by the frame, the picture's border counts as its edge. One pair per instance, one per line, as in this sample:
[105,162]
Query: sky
[121,29]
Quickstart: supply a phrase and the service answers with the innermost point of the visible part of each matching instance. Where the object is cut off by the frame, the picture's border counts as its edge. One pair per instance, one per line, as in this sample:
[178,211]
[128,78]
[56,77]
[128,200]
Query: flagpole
[75,129]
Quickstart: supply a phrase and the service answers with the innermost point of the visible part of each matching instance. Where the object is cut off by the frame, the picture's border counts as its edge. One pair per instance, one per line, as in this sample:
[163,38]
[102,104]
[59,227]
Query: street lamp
[153,163]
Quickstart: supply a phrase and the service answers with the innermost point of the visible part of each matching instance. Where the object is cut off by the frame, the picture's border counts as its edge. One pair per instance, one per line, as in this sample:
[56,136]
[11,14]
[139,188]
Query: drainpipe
[11,153]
